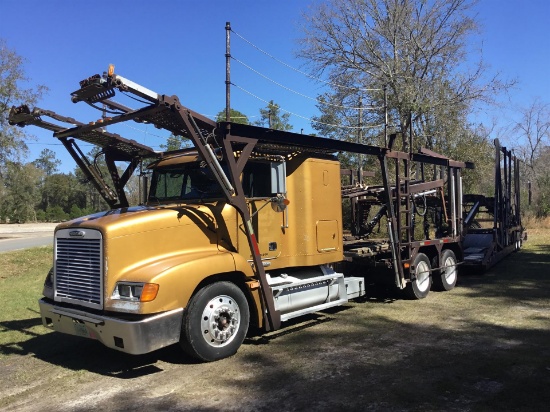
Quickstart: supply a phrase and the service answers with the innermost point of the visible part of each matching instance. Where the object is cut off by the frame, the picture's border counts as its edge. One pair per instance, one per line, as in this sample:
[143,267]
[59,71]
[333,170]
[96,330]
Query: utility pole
[227,71]
[359,179]
[360,140]
[385,116]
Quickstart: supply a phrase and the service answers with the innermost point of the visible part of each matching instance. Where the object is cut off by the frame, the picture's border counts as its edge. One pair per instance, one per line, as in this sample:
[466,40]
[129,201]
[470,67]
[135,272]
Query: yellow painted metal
[178,246]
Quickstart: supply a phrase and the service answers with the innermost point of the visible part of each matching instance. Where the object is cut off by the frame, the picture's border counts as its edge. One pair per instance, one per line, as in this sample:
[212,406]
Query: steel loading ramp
[476,247]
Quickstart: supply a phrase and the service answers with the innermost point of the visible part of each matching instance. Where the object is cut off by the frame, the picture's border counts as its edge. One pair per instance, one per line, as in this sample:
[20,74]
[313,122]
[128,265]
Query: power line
[144,131]
[301,94]
[304,95]
[307,118]
[53,144]
[300,71]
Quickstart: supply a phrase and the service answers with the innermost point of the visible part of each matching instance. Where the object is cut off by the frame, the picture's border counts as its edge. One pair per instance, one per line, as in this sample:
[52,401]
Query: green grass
[21,281]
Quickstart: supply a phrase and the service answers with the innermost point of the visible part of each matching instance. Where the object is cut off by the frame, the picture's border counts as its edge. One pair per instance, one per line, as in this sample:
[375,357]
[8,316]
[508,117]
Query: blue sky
[178,47]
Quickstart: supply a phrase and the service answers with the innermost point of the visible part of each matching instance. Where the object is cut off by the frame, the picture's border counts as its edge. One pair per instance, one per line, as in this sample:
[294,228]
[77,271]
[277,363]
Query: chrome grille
[78,268]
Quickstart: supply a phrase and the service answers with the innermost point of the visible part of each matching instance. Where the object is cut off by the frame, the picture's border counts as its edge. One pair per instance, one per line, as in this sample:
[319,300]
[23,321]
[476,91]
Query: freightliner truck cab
[180,269]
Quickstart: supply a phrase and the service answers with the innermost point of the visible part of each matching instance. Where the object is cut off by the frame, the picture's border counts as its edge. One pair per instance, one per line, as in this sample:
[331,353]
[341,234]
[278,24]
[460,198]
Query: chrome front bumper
[134,337]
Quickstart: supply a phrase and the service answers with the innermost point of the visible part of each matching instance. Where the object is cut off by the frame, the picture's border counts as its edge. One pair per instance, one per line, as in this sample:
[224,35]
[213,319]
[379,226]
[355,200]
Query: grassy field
[21,279]
[484,346]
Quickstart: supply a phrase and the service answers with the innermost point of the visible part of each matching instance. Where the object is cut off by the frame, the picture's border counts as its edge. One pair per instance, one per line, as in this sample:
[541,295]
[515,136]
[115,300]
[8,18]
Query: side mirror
[278,178]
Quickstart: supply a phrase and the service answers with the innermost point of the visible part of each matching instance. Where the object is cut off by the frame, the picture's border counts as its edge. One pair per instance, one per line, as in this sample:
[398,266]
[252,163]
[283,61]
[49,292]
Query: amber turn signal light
[149,292]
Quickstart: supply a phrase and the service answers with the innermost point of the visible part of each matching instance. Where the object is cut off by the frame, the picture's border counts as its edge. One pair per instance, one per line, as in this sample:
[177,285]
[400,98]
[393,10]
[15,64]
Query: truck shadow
[293,326]
[521,275]
[76,353]
[381,292]
[29,338]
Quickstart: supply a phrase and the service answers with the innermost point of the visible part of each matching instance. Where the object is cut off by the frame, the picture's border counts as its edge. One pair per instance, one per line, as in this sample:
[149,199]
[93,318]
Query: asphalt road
[7,245]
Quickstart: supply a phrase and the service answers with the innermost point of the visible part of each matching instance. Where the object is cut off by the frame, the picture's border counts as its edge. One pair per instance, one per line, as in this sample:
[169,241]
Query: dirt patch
[482,346]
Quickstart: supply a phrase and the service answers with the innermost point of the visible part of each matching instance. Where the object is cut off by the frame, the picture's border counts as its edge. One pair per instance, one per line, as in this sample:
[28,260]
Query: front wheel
[421,279]
[215,322]
[445,278]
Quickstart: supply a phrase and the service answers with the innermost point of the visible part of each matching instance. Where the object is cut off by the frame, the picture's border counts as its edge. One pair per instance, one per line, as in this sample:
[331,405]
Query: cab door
[267,219]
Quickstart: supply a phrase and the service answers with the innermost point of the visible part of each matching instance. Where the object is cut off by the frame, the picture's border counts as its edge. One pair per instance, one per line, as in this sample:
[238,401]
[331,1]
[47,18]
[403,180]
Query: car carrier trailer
[492,224]
[243,229]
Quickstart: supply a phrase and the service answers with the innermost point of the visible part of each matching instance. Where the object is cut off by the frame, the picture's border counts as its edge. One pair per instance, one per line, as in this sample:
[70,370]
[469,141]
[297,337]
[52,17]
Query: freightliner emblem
[77,233]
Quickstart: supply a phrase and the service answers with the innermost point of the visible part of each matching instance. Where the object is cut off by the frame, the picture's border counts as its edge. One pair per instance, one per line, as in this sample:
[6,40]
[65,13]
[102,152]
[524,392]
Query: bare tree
[533,130]
[415,48]
[533,148]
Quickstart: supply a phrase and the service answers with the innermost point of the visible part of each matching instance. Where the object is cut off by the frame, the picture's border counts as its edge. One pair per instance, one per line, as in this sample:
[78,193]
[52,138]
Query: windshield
[195,181]
[184,182]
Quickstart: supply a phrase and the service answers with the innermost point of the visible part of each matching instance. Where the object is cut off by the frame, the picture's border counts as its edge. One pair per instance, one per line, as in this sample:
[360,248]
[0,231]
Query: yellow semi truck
[243,230]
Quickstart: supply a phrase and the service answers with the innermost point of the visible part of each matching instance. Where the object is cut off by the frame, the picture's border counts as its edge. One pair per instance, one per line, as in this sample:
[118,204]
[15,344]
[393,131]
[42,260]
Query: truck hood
[134,220]
[161,245]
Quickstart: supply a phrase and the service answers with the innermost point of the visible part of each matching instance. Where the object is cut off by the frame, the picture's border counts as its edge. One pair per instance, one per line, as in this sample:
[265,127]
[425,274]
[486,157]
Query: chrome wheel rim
[220,321]
[422,276]
[449,270]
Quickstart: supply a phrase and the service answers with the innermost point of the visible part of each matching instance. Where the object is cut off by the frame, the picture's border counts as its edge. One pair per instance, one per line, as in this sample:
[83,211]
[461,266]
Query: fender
[243,266]
[177,276]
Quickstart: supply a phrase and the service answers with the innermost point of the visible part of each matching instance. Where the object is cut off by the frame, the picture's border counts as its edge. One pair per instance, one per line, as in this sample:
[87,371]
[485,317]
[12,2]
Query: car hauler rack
[200,272]
[114,147]
[493,226]
[416,252]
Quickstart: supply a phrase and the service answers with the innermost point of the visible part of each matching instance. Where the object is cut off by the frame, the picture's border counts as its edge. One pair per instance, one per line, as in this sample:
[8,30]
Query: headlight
[142,292]
[47,291]
[49,279]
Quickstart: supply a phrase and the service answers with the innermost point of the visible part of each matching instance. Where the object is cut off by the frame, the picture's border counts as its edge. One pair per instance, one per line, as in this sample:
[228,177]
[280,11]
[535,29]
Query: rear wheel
[446,277]
[517,245]
[421,280]
[215,322]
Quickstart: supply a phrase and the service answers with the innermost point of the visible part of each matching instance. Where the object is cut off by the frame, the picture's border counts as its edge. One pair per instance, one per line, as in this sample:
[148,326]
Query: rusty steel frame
[504,206]
[237,142]
[23,116]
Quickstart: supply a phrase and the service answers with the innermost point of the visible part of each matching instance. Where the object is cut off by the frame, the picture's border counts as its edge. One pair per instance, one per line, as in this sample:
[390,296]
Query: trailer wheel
[215,322]
[421,279]
[446,277]
[517,245]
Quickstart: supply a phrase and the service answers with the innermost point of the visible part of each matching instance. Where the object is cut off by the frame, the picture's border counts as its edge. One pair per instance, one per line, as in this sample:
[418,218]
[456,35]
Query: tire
[421,279]
[215,322]
[517,245]
[446,277]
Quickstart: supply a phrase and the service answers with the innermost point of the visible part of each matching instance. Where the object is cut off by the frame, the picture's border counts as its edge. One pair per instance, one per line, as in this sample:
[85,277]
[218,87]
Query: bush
[56,214]
[75,212]
[40,215]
